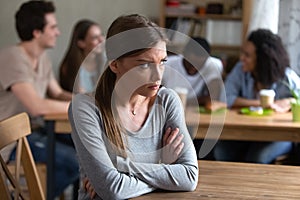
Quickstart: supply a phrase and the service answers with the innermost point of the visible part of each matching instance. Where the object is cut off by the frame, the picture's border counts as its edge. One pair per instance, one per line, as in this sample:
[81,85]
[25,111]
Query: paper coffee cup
[182,93]
[266,98]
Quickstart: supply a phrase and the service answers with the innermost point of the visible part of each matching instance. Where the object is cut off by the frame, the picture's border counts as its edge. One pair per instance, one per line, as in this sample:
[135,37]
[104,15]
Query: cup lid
[266,92]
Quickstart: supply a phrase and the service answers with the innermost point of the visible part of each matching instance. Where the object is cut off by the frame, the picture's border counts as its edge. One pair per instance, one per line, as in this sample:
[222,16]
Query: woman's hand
[89,188]
[282,105]
[172,145]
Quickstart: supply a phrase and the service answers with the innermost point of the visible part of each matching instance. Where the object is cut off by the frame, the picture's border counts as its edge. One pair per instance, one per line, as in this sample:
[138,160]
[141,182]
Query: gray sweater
[115,177]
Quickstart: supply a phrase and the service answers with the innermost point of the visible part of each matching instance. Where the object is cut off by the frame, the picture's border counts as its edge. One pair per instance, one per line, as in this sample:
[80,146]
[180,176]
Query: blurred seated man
[200,74]
[197,71]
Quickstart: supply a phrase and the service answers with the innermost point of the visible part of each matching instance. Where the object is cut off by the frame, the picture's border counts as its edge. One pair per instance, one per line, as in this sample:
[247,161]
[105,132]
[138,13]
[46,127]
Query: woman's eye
[162,62]
[144,66]
[147,65]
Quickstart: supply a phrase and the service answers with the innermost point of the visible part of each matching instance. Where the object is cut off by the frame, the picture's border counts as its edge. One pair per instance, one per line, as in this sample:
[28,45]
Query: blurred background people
[84,57]
[27,84]
[264,64]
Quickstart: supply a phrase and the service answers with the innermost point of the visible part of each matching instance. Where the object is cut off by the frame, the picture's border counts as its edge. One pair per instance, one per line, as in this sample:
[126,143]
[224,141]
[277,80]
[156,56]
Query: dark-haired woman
[264,64]
[85,58]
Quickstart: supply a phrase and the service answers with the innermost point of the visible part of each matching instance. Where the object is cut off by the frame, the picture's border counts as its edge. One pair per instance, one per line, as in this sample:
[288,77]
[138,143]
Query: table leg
[50,160]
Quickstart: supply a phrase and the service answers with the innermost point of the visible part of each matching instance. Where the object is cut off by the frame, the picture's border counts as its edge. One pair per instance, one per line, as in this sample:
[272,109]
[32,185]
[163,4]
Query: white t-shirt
[175,75]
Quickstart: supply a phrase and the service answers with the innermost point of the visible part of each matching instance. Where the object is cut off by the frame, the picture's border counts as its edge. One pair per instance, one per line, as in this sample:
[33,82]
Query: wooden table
[228,126]
[55,124]
[239,181]
[62,124]
[235,126]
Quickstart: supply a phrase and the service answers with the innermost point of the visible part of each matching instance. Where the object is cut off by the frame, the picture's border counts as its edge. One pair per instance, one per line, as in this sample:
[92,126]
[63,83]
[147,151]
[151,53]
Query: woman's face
[142,73]
[92,39]
[248,57]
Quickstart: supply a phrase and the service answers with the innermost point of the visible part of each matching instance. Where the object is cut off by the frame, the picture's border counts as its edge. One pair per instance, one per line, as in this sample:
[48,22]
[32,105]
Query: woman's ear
[81,44]
[114,66]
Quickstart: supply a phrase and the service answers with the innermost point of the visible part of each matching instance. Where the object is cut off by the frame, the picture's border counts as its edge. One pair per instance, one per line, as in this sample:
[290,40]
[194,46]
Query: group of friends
[129,135]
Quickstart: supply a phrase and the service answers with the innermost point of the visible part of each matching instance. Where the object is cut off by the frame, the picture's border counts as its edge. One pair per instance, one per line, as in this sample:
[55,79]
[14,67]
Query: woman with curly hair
[264,64]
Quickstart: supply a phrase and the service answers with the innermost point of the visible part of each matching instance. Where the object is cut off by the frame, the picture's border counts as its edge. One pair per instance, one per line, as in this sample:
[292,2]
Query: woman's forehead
[159,50]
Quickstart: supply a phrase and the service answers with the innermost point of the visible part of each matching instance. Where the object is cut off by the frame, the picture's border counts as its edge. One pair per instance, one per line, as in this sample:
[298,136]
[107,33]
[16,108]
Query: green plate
[265,112]
[203,110]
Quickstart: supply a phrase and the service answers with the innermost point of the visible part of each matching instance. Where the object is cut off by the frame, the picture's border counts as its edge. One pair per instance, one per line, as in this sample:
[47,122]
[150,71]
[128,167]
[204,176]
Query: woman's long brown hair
[103,96]
[74,56]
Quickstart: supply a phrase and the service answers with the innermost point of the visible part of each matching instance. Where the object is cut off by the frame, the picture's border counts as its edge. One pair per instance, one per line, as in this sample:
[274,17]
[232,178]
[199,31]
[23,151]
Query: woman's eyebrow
[150,60]
[144,60]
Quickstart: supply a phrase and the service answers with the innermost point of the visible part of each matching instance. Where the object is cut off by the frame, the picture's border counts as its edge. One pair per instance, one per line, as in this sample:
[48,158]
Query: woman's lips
[154,87]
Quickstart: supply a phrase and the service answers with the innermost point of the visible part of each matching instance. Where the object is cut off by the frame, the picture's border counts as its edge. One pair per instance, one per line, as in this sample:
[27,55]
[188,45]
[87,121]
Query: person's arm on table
[35,104]
[56,92]
[243,102]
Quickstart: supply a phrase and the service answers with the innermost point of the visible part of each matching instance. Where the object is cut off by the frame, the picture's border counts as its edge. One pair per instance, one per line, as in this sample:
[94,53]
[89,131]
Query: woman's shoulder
[238,67]
[290,72]
[237,71]
[168,96]
[165,92]
[169,100]
[83,100]
[83,106]
[84,96]
[292,75]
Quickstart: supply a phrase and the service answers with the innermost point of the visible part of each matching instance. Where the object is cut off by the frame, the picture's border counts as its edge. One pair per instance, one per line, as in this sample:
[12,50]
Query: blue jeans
[66,164]
[256,152]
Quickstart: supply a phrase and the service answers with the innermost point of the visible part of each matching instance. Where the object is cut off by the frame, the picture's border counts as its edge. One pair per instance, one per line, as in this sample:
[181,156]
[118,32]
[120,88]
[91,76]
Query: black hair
[190,46]
[31,16]
[271,57]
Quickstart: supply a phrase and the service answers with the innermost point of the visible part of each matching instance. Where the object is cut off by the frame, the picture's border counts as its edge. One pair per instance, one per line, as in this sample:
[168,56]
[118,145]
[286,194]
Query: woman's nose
[157,72]
[101,39]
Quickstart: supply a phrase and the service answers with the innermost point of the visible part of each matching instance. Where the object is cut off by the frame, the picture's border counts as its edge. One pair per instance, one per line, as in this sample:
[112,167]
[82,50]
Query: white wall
[289,30]
[68,12]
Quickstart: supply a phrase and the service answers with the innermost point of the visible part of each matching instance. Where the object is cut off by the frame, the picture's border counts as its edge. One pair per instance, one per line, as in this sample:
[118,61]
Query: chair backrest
[15,129]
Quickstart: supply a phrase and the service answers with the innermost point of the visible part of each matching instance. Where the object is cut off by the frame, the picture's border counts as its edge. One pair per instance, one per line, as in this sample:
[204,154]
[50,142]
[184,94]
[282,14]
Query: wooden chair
[15,129]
